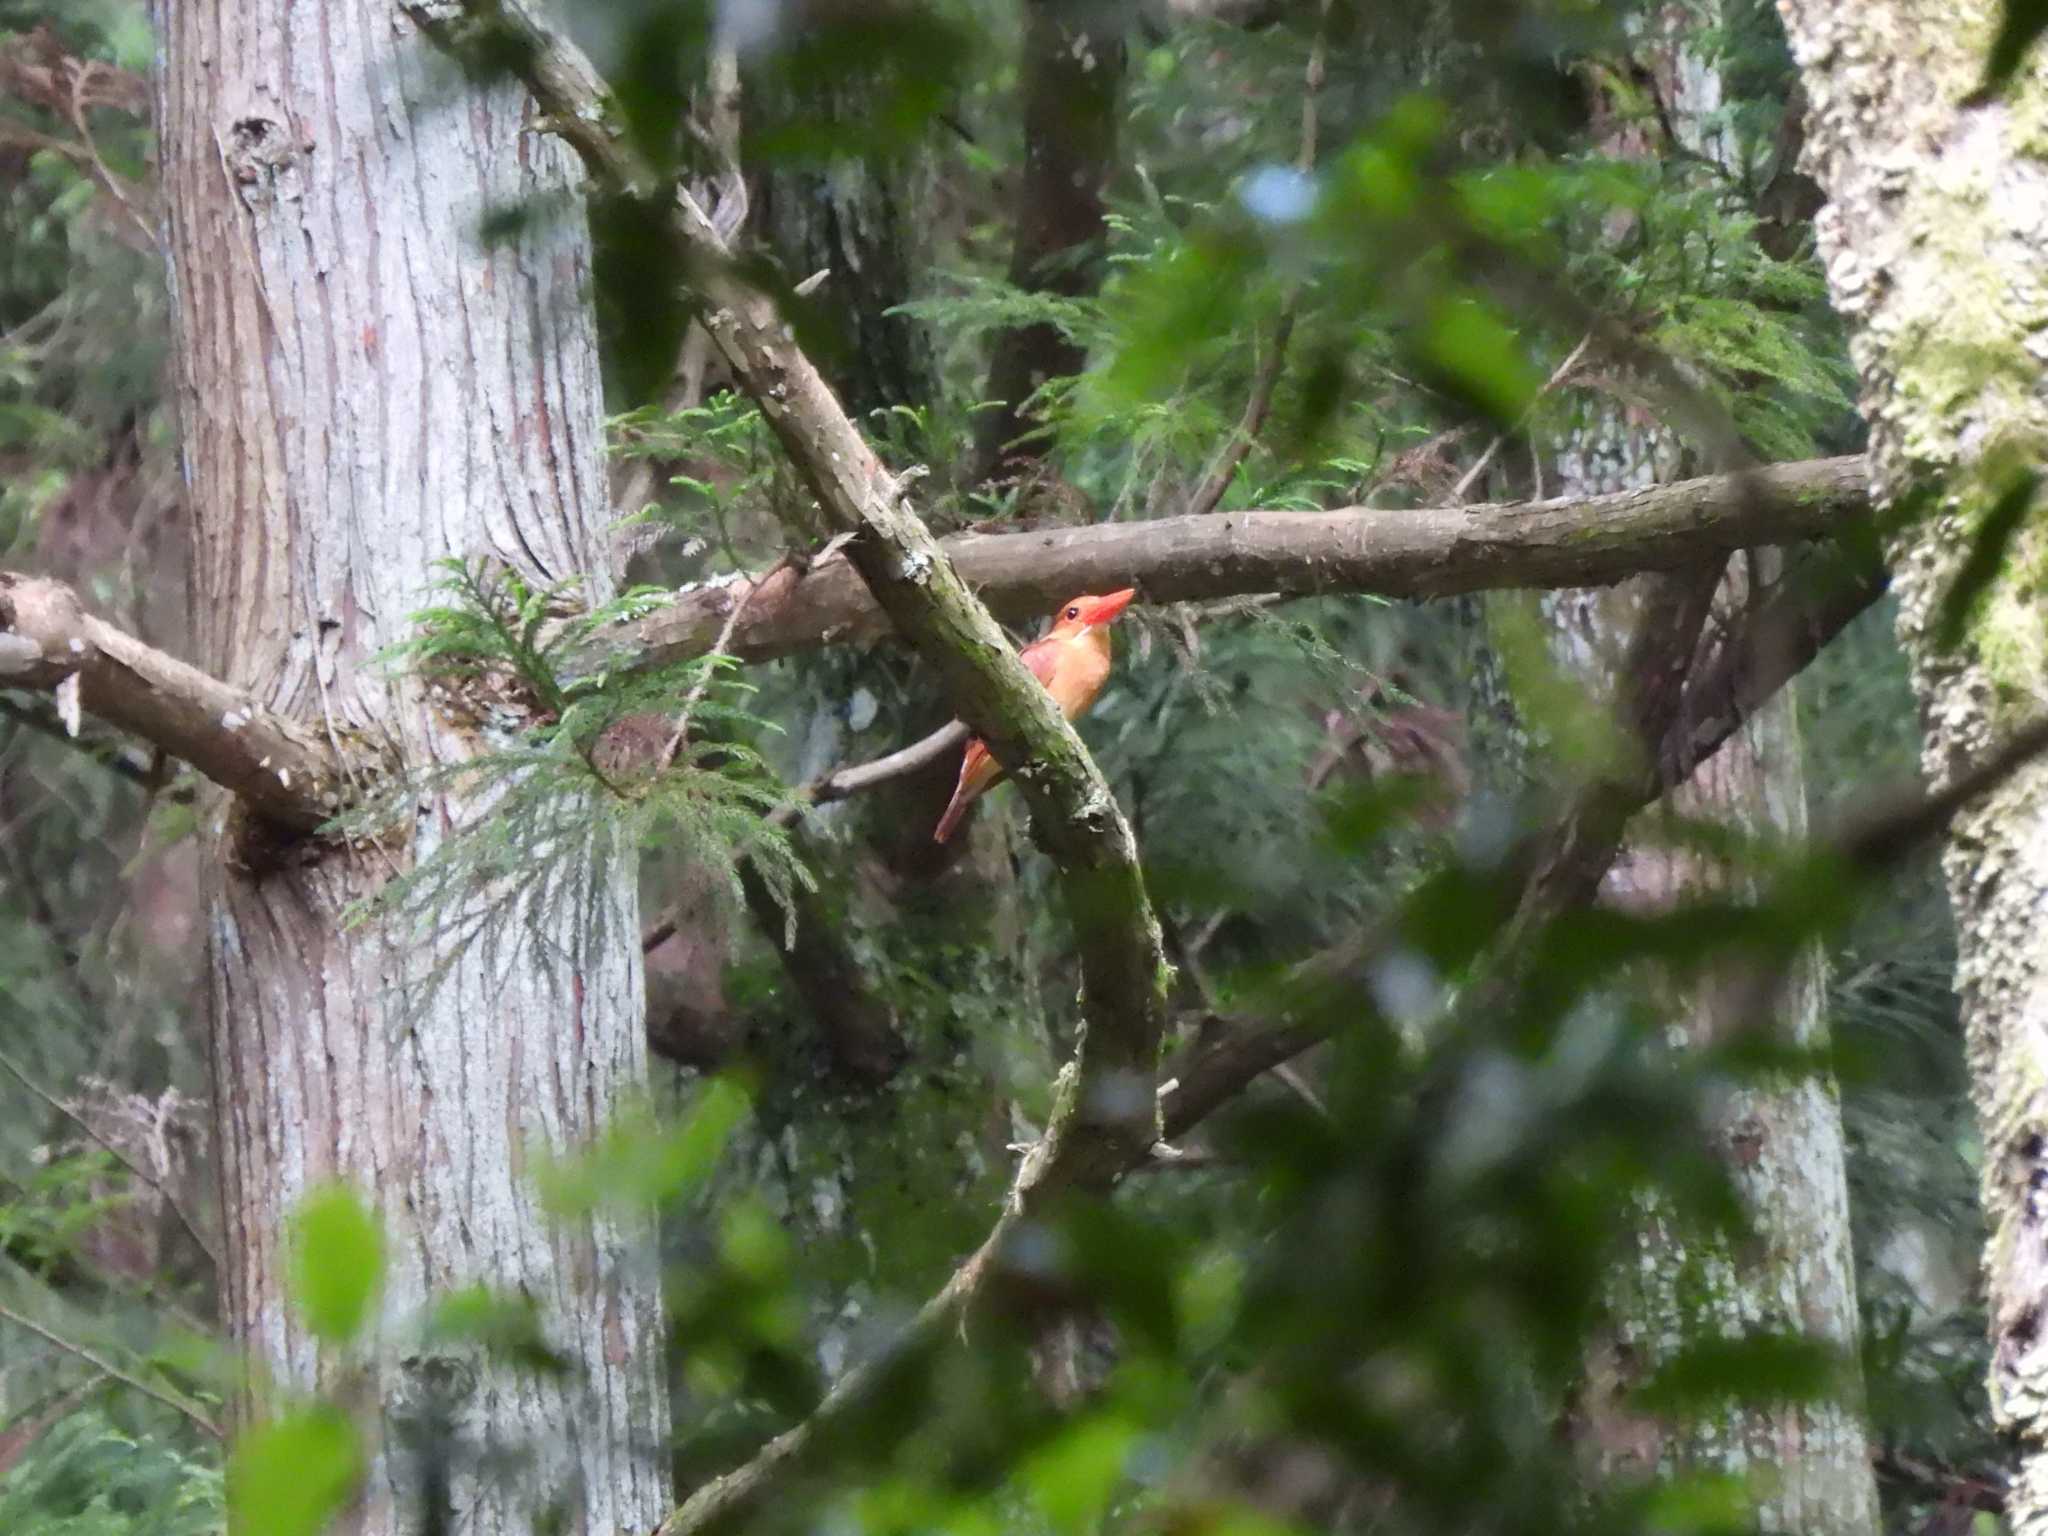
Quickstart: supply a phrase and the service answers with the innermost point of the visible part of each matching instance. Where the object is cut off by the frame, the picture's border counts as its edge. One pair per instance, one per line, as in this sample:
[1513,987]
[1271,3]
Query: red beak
[1107,608]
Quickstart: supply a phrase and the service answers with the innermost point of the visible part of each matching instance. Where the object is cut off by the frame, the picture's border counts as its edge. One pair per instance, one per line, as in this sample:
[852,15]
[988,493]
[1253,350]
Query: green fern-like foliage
[88,1476]
[580,760]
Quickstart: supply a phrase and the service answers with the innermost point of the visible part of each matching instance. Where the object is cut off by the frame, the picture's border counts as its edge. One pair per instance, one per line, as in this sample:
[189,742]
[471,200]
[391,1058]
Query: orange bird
[1072,659]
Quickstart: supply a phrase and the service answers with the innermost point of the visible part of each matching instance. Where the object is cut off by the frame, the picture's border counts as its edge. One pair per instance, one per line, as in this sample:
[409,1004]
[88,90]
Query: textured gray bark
[364,387]
[1782,1143]
[1933,240]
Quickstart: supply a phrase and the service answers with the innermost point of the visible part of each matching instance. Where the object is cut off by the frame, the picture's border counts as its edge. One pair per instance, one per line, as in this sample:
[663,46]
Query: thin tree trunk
[1782,1142]
[1073,88]
[861,219]
[1933,243]
[365,387]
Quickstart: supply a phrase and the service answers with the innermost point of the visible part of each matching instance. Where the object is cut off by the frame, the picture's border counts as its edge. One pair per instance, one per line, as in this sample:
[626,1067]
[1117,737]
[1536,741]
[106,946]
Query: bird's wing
[978,769]
[1043,658]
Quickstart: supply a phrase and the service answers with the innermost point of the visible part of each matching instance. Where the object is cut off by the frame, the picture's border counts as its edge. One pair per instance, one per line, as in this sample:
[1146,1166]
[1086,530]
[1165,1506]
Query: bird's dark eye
[1074,612]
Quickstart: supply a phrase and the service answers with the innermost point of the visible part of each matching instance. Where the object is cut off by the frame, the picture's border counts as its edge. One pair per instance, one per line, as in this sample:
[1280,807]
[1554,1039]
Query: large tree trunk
[366,387]
[1934,249]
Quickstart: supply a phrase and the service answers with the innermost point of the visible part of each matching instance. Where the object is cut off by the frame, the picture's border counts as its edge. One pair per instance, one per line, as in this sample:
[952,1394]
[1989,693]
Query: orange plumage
[1072,659]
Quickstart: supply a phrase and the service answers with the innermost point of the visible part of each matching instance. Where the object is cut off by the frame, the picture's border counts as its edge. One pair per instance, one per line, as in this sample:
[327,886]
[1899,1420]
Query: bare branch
[842,782]
[280,768]
[1235,1057]
[838,784]
[1565,865]
[1412,553]
[1792,626]
[1772,646]
[114,1372]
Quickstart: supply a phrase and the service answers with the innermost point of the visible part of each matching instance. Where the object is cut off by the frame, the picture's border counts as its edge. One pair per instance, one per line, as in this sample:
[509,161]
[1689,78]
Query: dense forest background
[1064,265]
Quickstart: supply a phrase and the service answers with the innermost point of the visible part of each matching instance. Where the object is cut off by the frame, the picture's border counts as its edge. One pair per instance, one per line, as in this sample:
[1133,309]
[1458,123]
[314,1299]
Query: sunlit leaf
[337,1262]
[1074,1478]
[1477,353]
[289,1477]
[640,1162]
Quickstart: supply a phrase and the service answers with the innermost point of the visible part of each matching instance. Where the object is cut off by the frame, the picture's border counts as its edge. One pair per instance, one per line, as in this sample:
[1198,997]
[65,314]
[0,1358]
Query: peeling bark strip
[285,770]
[365,387]
[1932,242]
[1421,552]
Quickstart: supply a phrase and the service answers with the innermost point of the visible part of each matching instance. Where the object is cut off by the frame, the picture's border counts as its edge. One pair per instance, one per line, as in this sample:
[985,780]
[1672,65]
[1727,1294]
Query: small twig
[697,690]
[838,784]
[1557,379]
[1258,405]
[1290,1074]
[170,1200]
[105,173]
[170,1400]
[845,781]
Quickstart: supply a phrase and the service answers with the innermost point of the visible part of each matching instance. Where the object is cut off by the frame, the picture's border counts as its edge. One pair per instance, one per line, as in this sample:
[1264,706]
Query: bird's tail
[955,809]
[977,771]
